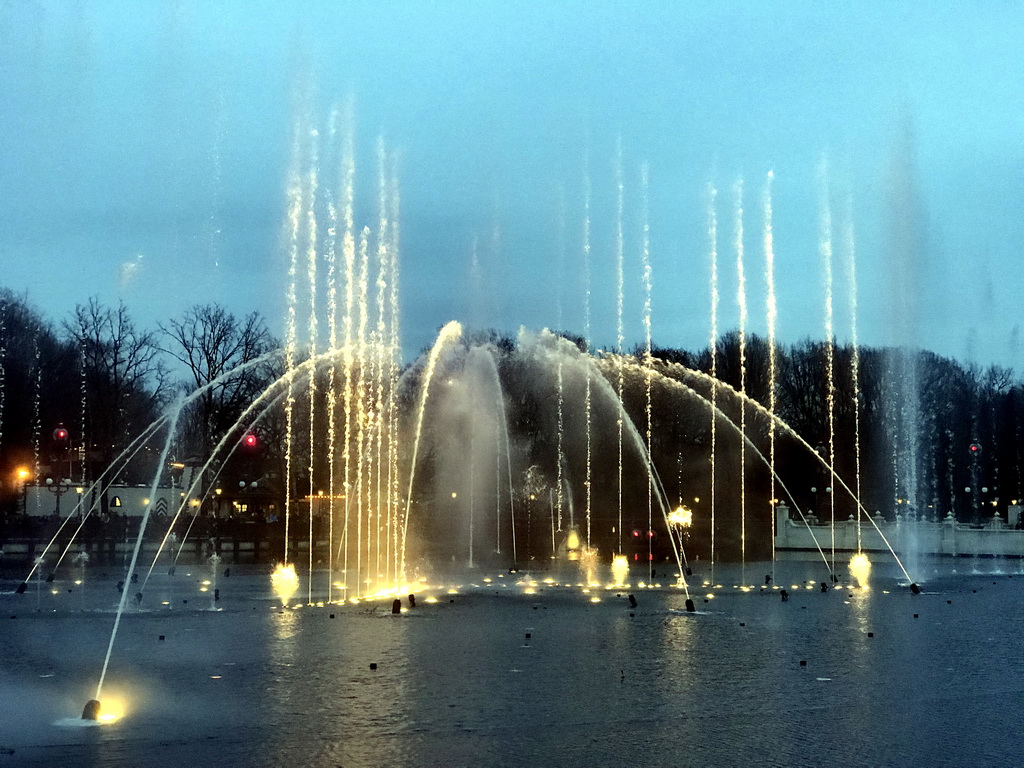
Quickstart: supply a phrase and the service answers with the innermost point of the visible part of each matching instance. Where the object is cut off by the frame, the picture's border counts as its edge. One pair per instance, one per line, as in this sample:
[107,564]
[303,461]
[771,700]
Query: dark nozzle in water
[412,601]
[632,601]
[21,588]
[92,710]
[689,606]
[915,589]
[50,577]
[824,587]
[396,606]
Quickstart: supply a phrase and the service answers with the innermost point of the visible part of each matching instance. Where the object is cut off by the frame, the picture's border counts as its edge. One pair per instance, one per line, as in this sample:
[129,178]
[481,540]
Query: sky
[145,152]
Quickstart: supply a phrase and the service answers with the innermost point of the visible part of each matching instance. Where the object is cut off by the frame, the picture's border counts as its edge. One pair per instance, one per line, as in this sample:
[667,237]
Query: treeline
[910,432]
[104,379]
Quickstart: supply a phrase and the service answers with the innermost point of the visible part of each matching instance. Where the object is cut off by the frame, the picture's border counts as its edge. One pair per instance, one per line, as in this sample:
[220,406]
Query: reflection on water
[458,682]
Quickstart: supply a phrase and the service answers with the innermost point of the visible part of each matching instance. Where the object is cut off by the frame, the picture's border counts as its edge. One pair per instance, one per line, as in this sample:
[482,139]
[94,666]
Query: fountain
[384,486]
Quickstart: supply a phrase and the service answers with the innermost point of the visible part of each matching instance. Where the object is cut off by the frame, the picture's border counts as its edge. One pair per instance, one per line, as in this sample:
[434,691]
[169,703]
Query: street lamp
[58,488]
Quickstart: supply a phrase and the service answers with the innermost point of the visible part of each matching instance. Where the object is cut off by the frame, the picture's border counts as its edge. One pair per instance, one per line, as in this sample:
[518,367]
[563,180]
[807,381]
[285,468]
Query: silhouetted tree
[212,344]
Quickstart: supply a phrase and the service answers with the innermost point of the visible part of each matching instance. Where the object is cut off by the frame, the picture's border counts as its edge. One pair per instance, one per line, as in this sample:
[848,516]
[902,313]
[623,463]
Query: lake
[490,676]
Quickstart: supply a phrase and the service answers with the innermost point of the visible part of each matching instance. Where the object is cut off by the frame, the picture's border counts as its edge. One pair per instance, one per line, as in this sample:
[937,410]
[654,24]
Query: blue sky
[145,150]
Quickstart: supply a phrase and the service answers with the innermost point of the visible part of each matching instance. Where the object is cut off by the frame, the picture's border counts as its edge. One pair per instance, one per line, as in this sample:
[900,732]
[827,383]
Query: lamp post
[58,488]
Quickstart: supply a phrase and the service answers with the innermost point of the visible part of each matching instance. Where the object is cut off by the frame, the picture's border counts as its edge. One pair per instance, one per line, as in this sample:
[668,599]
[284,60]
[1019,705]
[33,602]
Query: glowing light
[681,516]
[572,541]
[710,595]
[620,569]
[111,710]
[285,582]
[595,599]
[431,599]
[860,568]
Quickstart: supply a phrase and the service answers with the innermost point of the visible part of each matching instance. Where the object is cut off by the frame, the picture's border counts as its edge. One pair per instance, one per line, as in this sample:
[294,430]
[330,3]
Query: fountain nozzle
[92,710]
[915,589]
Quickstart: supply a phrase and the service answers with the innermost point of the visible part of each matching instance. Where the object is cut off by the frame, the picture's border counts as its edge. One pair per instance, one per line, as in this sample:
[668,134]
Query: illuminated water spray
[395,358]
[620,570]
[450,332]
[825,249]
[348,357]
[713,348]
[620,188]
[559,491]
[741,300]
[83,400]
[772,314]
[294,223]
[311,272]
[331,259]
[381,361]
[587,398]
[860,569]
[284,582]
[172,423]
[362,313]
[851,278]
[645,252]
[37,388]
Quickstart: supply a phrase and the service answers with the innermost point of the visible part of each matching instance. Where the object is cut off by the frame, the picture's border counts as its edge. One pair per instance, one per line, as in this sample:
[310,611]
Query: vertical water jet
[712,213]
[741,300]
[772,314]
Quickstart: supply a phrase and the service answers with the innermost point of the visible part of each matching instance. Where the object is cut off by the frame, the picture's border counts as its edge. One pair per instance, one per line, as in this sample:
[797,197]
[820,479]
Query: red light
[60,434]
[636,534]
[250,440]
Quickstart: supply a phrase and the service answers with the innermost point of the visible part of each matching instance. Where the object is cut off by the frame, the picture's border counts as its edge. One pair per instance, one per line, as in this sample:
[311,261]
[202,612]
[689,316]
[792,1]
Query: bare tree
[125,381]
[212,344]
